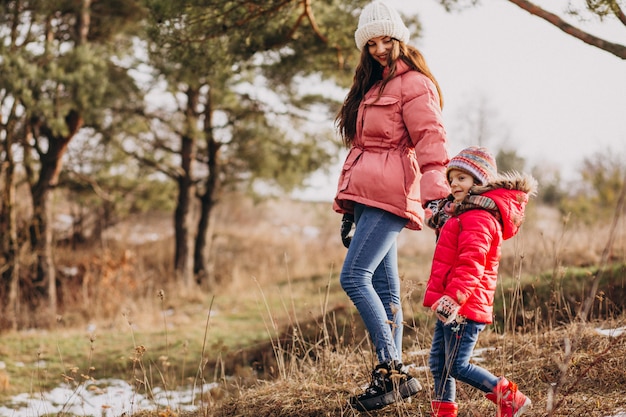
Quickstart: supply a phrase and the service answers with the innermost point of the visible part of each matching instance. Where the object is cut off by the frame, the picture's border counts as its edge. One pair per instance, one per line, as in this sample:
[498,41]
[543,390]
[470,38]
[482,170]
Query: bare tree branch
[309,14]
[613,48]
[619,13]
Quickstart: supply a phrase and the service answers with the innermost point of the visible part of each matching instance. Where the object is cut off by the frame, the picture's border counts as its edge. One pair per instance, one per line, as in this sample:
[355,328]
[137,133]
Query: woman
[396,166]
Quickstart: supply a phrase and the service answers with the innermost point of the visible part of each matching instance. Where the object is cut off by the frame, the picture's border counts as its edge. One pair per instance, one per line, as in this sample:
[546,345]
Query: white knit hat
[380,19]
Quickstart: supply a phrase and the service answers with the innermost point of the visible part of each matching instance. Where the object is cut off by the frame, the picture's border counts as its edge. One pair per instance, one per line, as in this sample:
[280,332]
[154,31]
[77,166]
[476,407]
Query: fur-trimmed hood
[511,180]
[510,192]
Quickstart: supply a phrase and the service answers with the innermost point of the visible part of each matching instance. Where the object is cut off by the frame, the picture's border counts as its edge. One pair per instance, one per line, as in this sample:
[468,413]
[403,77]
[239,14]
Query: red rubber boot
[509,400]
[444,409]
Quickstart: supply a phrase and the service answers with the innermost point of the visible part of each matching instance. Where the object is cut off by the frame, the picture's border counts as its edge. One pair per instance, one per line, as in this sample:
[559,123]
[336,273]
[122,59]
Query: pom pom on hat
[476,161]
[380,19]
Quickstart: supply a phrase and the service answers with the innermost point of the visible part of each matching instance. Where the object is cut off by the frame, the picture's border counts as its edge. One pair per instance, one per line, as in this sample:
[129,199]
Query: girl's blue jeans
[370,278]
[450,354]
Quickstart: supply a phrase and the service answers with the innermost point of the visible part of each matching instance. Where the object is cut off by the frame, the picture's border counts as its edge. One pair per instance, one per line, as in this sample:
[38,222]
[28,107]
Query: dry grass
[287,256]
[569,371]
[272,242]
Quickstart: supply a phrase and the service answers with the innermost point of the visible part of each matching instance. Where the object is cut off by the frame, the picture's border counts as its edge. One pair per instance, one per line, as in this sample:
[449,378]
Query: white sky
[558,98]
[553,98]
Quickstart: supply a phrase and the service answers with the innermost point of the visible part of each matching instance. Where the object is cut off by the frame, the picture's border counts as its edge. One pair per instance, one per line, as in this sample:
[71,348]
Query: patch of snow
[612,333]
[70,271]
[105,398]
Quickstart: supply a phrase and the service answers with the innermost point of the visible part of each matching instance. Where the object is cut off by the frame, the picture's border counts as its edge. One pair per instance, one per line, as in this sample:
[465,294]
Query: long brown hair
[367,73]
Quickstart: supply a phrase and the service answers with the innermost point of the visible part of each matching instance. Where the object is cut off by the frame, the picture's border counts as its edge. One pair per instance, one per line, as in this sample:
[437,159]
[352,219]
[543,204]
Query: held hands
[446,309]
[347,229]
[435,213]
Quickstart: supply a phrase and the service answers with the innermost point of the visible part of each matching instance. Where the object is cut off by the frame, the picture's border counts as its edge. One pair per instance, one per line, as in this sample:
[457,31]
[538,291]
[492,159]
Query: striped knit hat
[476,161]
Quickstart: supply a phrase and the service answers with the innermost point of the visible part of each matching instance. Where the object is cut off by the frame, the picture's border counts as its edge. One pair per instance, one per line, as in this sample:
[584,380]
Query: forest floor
[278,337]
[572,370]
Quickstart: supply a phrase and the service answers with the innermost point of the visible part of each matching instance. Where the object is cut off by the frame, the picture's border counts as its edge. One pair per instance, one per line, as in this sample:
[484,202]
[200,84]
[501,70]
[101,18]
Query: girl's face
[380,48]
[460,184]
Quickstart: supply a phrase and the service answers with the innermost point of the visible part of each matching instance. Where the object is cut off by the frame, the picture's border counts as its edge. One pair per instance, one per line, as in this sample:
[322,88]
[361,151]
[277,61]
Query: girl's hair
[367,73]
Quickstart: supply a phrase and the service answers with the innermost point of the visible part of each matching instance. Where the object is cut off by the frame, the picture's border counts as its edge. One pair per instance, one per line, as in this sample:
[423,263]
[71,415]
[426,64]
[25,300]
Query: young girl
[482,210]
[396,165]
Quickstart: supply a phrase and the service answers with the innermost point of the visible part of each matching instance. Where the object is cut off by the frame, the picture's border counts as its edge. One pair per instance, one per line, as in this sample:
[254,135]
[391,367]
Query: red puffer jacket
[399,155]
[466,259]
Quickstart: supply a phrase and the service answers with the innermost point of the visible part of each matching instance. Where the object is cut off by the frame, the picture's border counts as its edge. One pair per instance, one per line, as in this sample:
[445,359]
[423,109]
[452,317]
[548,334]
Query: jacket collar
[401,68]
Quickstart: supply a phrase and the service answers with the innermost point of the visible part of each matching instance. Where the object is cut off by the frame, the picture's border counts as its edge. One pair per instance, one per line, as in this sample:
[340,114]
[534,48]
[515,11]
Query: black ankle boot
[390,383]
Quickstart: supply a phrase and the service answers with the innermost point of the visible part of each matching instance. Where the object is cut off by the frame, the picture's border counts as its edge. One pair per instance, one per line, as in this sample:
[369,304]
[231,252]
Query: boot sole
[408,389]
[523,408]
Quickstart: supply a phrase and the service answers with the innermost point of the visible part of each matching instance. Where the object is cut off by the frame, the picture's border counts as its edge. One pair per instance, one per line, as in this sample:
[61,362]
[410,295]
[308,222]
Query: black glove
[347,223]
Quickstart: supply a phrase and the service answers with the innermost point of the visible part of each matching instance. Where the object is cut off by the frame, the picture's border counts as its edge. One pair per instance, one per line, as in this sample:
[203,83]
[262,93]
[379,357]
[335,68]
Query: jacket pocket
[353,157]
[379,119]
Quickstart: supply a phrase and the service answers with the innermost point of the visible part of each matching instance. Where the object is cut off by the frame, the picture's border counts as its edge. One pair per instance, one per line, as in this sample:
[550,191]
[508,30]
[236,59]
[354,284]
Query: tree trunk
[207,199]
[181,227]
[9,245]
[207,202]
[44,283]
[10,250]
[182,216]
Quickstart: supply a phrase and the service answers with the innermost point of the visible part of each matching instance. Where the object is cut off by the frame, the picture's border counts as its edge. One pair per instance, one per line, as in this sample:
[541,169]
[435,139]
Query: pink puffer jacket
[398,159]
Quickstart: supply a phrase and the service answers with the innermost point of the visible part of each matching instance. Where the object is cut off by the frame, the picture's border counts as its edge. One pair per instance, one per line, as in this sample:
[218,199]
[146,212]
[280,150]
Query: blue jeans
[370,278]
[450,354]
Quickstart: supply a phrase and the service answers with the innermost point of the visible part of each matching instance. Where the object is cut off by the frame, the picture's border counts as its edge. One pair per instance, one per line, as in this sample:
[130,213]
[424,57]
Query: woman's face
[380,48]
[460,184]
